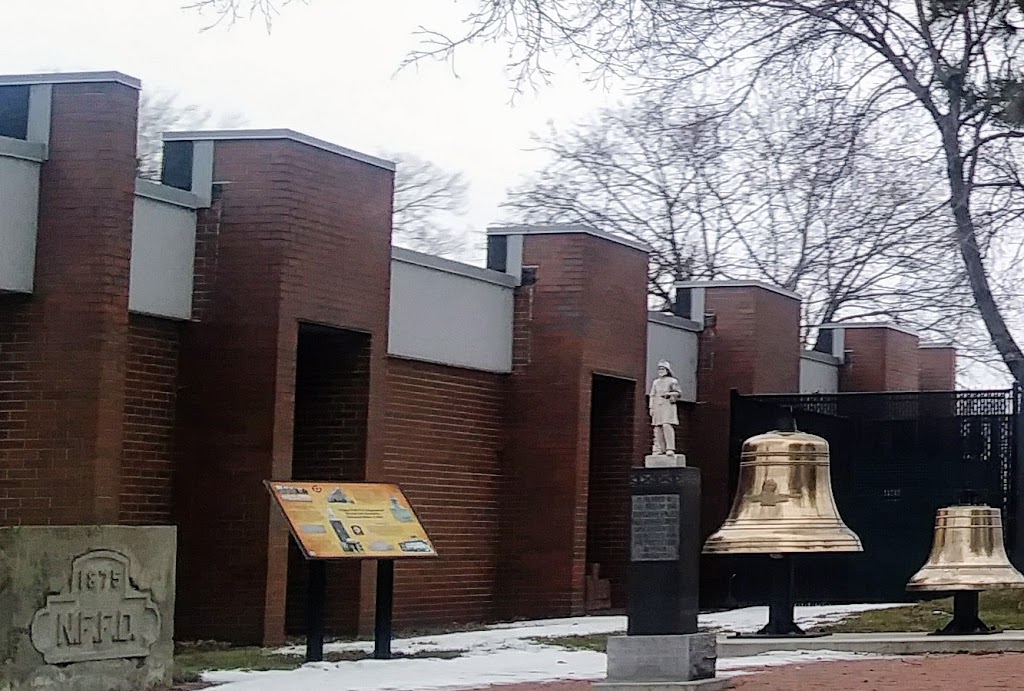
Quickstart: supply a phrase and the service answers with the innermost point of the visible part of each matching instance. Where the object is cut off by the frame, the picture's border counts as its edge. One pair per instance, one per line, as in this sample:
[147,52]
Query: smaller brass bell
[967,553]
[967,557]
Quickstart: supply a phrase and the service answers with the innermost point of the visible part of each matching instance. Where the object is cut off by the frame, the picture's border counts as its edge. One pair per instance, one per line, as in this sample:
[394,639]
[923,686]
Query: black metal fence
[895,459]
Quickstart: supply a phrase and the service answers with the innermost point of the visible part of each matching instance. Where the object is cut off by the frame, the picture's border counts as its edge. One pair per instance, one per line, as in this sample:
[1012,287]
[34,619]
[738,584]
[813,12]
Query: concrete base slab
[683,657]
[662,663]
[877,644]
[701,684]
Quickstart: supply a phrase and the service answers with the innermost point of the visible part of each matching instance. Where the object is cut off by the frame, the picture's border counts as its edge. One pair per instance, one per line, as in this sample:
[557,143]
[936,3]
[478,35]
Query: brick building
[166,347]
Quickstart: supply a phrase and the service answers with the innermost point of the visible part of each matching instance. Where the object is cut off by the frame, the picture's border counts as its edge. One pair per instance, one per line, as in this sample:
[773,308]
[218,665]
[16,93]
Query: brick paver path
[925,673]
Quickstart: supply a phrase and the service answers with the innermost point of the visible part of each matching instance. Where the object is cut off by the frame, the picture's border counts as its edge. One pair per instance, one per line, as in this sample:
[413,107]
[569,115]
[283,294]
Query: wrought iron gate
[896,458]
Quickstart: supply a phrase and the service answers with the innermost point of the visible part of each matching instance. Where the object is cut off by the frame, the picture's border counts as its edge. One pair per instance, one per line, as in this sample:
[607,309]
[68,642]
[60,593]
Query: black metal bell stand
[780,607]
[966,621]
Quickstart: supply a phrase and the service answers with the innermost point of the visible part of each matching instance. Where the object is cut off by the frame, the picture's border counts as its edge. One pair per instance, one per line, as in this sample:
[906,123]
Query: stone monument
[662,648]
[89,608]
[661,403]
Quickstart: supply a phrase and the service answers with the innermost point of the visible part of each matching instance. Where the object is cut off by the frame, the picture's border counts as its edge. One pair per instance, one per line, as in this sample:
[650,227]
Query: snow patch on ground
[504,654]
[520,662]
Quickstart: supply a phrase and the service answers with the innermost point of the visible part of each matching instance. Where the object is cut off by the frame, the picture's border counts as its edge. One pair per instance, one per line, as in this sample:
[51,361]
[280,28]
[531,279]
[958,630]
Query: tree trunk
[967,241]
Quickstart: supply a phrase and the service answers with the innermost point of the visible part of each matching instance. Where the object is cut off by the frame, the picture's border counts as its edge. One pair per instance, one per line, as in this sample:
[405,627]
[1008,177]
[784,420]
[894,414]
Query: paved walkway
[925,673]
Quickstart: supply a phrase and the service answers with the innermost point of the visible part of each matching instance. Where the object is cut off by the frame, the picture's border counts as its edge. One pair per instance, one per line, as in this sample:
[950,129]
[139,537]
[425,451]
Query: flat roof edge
[567,229]
[282,133]
[70,78]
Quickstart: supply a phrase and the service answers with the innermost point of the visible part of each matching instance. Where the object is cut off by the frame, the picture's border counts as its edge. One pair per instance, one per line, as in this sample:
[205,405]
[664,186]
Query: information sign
[332,520]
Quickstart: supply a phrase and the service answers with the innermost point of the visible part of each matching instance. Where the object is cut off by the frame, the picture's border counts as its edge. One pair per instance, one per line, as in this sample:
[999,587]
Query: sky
[327,68]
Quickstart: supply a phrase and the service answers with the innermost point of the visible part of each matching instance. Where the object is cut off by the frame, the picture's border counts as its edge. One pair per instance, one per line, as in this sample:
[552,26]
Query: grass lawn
[594,641]
[191,659]
[1003,609]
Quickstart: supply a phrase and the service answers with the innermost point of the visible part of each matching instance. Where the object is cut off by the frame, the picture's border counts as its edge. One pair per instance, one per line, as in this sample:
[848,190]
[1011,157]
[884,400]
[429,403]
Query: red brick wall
[303,236]
[586,314]
[754,347]
[536,569]
[777,325]
[18,380]
[147,465]
[62,370]
[205,274]
[444,429]
[879,359]
[902,364]
[937,368]
[226,425]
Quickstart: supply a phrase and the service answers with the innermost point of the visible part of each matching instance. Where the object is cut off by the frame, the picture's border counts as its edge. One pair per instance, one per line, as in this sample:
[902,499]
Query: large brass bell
[967,557]
[783,501]
[783,506]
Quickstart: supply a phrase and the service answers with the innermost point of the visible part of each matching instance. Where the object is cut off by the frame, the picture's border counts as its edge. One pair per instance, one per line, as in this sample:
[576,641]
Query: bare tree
[938,76]
[793,199]
[641,173]
[159,113]
[428,199]
[231,11]
[427,207]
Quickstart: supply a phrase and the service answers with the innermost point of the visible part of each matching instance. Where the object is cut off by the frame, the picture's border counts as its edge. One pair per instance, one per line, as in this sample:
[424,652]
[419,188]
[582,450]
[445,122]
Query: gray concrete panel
[86,608]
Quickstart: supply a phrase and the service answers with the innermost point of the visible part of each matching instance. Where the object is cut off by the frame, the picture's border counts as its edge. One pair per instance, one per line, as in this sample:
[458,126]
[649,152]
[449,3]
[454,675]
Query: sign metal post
[316,597]
[348,520]
[382,614]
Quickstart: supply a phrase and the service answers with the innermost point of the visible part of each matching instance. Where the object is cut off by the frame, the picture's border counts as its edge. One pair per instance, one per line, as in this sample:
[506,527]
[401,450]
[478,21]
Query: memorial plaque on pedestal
[664,551]
[655,527]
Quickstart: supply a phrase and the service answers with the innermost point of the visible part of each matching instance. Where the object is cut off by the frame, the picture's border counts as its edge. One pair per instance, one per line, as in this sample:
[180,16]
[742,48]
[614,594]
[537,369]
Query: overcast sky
[327,68]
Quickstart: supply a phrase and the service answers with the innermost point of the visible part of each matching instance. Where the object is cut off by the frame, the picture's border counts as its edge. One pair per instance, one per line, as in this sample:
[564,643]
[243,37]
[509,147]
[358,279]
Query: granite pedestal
[662,648]
[684,661]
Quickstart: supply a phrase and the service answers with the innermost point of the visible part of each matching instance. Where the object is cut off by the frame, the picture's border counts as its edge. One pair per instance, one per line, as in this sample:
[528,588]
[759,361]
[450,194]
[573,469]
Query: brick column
[300,232]
[585,314]
[937,367]
[63,348]
[751,343]
[877,357]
